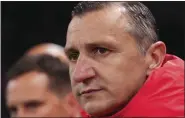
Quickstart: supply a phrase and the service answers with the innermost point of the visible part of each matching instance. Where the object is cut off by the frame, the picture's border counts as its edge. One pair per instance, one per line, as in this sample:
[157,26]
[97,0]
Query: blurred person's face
[106,67]
[29,96]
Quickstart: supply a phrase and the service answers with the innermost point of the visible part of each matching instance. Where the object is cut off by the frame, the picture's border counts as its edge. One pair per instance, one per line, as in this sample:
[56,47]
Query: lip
[88,91]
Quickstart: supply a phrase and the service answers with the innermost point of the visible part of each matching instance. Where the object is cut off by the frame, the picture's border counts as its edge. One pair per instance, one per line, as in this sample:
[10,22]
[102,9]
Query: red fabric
[161,95]
[84,114]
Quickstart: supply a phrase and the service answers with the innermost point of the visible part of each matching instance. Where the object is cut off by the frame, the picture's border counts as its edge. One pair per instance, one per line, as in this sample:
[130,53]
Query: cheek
[111,77]
[52,109]
[46,109]
[73,83]
[122,75]
[71,70]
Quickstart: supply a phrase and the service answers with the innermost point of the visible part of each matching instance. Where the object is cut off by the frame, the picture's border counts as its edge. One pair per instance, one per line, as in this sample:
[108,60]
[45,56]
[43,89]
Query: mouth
[89,91]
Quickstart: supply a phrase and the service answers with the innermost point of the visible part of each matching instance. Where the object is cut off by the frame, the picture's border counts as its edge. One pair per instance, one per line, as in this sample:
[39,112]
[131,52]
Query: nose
[83,70]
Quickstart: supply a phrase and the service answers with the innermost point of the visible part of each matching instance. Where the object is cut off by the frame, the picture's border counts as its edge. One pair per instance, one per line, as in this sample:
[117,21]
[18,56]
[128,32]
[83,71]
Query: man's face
[106,68]
[28,96]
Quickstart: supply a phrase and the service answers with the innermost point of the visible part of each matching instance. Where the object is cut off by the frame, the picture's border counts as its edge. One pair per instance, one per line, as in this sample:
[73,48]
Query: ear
[155,56]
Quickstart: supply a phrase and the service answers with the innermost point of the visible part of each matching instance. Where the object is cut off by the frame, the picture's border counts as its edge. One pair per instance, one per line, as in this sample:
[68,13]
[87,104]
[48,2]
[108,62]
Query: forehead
[95,25]
[29,86]
[53,50]
[45,48]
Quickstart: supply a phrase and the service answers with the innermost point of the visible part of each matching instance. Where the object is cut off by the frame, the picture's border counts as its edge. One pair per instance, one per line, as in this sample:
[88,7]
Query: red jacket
[161,95]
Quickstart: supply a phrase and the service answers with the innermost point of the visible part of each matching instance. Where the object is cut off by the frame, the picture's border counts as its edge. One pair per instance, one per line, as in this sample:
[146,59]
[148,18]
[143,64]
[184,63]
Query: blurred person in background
[39,85]
[56,51]
[118,68]
[48,48]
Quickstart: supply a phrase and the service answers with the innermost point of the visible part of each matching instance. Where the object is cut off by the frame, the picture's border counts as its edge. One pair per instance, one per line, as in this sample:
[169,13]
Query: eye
[73,56]
[32,105]
[13,111]
[100,50]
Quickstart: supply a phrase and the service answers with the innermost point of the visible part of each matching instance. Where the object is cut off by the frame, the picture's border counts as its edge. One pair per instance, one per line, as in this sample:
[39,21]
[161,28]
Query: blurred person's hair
[57,71]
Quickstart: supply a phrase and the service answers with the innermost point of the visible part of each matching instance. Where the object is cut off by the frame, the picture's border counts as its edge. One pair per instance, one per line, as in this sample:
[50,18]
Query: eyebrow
[11,106]
[106,43]
[70,49]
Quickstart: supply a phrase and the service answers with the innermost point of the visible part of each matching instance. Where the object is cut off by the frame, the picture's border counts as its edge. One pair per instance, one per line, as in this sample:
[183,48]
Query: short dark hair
[57,72]
[142,24]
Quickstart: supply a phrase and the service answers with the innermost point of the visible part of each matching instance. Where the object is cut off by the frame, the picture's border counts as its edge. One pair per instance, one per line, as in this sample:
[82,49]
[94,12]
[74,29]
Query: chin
[96,109]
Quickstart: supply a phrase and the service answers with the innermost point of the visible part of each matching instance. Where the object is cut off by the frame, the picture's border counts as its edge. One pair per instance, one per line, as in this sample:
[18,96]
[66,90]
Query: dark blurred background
[25,24]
